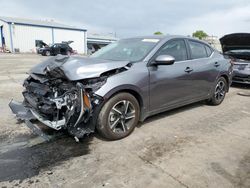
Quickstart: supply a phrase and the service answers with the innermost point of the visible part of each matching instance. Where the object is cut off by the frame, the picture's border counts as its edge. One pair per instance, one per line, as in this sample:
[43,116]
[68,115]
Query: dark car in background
[237,46]
[92,48]
[121,84]
[55,49]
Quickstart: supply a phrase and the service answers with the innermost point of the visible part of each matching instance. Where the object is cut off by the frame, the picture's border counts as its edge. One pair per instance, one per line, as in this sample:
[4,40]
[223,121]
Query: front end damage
[59,104]
[52,98]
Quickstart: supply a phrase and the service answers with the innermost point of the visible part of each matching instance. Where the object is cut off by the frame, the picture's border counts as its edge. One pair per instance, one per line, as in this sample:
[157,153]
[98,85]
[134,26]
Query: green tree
[158,33]
[200,34]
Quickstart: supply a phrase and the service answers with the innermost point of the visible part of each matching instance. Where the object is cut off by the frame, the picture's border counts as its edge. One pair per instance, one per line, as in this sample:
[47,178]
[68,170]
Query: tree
[158,33]
[200,34]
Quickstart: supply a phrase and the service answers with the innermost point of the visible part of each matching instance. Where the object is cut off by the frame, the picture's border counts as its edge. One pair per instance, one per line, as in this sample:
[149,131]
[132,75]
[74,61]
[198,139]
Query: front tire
[118,117]
[219,92]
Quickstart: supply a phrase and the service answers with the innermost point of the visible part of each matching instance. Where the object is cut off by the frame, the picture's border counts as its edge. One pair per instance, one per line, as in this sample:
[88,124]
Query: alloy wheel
[220,91]
[121,116]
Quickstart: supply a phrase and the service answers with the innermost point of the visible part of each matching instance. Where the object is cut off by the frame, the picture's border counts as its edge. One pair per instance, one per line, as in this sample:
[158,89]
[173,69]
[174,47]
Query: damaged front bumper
[24,114]
[78,121]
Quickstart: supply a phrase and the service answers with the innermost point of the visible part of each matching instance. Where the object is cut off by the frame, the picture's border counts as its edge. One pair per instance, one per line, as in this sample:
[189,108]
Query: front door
[171,85]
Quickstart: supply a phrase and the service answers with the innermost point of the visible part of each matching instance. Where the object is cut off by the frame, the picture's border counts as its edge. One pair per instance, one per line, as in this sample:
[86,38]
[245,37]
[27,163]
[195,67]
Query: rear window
[198,50]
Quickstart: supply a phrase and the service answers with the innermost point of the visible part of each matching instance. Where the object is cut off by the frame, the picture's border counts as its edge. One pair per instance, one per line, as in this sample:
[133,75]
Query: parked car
[237,46]
[55,49]
[121,84]
[92,48]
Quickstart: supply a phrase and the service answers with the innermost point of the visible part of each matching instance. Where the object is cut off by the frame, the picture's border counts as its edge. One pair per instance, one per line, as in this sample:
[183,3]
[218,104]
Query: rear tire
[219,92]
[118,117]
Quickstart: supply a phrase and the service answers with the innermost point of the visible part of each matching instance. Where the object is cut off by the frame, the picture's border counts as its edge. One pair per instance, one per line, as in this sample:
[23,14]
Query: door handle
[216,64]
[188,70]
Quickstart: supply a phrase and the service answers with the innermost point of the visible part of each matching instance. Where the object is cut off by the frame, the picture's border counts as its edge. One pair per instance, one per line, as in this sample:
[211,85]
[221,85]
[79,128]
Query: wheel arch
[227,79]
[131,90]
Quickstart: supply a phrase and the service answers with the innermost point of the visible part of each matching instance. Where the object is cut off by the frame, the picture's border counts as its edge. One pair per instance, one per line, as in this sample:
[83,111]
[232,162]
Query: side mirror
[164,60]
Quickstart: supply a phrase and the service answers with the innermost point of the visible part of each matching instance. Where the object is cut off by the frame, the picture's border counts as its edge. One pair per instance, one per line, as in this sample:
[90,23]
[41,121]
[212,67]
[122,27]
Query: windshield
[126,50]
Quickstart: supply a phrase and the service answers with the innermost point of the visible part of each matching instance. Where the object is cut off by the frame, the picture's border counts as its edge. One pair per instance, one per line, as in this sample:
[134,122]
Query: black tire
[108,117]
[219,92]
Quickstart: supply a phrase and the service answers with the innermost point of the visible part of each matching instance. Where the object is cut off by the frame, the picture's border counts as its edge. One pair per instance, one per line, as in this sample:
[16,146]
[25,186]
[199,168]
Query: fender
[135,91]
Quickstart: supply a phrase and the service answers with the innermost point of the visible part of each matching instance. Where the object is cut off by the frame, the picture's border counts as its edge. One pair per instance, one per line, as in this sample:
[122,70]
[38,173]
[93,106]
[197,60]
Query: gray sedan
[121,84]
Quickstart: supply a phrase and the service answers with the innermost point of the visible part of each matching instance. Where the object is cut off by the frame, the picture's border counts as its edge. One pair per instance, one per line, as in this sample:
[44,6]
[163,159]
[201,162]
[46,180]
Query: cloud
[217,22]
[138,17]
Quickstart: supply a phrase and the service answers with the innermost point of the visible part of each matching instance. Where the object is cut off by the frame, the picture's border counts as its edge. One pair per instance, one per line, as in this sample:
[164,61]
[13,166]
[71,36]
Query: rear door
[64,48]
[56,49]
[206,68]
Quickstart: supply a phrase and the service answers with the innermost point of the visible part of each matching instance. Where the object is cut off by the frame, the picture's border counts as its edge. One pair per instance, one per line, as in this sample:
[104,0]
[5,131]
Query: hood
[76,68]
[235,41]
[43,43]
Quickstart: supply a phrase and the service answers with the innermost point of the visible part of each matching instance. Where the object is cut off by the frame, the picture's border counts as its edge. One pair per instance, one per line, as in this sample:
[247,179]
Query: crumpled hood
[77,68]
[235,41]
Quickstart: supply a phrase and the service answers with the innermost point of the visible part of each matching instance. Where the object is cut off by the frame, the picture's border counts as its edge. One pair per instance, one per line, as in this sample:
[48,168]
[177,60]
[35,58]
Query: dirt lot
[194,146]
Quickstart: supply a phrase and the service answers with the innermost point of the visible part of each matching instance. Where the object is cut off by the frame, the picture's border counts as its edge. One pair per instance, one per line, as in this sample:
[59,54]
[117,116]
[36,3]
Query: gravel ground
[193,146]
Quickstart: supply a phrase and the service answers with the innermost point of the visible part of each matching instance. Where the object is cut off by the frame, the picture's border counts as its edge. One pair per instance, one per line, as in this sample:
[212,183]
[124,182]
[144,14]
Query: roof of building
[41,23]
[102,37]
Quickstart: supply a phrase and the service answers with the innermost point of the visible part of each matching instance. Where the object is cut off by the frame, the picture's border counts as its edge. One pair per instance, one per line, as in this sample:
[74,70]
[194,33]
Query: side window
[175,48]
[197,50]
[209,51]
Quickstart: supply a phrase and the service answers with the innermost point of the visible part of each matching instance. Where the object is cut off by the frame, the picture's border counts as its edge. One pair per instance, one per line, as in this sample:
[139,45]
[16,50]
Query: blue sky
[129,18]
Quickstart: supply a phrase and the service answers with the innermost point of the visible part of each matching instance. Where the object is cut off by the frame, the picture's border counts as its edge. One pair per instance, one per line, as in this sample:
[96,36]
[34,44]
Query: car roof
[60,43]
[167,37]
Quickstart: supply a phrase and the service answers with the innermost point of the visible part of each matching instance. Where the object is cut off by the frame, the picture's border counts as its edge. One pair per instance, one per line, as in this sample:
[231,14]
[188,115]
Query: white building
[21,35]
[95,42]
[100,39]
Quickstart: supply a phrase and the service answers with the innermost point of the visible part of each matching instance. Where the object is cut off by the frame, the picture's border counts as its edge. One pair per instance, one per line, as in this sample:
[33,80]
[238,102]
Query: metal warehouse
[22,35]
[95,42]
